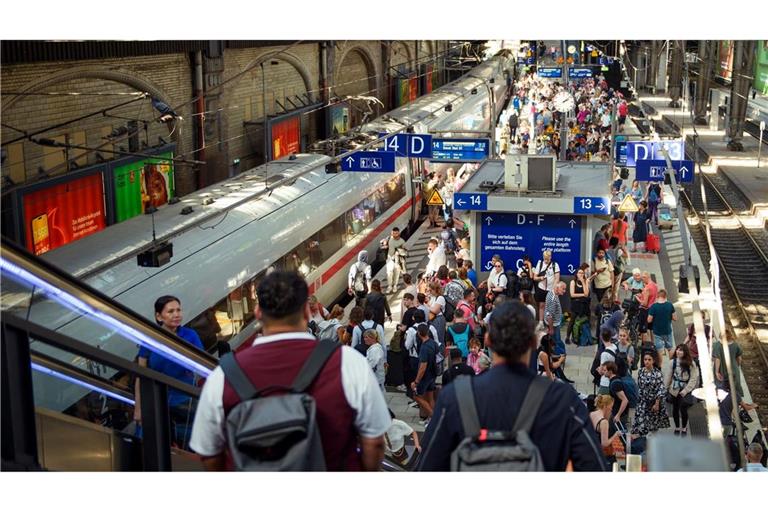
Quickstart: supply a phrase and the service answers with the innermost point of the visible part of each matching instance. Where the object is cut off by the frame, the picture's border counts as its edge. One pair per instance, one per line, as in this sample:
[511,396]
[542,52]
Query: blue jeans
[663,341]
[559,345]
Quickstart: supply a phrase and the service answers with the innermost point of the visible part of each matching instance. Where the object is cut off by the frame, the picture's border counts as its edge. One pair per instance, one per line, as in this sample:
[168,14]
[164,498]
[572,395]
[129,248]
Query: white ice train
[290,213]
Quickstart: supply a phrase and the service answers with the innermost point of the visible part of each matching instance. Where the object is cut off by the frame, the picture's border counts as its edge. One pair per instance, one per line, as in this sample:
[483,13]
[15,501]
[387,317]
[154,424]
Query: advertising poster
[141,184]
[286,137]
[339,119]
[402,92]
[761,68]
[429,80]
[413,91]
[63,213]
[725,66]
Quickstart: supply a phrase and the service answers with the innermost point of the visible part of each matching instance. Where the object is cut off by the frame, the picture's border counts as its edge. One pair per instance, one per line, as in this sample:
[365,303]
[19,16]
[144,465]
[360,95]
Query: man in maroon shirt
[351,410]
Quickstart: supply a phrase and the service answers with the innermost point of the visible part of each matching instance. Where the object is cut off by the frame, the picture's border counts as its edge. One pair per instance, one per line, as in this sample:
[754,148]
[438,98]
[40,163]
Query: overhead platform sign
[464,201]
[460,150]
[591,205]
[550,72]
[654,170]
[416,145]
[513,235]
[369,161]
[651,150]
[579,72]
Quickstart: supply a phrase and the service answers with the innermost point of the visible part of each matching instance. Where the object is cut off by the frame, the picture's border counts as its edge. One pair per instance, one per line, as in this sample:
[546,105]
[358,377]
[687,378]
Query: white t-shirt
[360,388]
[375,358]
[410,339]
[317,317]
[439,300]
[497,279]
[552,269]
[437,259]
[604,358]
[396,434]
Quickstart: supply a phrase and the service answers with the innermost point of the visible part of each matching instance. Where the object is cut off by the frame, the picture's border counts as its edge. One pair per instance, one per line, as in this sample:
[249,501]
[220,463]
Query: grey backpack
[484,450]
[276,432]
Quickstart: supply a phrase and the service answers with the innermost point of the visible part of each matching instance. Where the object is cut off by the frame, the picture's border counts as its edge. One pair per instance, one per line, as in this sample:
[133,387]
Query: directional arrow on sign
[460,202]
[600,206]
[489,265]
[488,220]
[572,223]
[684,172]
[571,269]
[350,161]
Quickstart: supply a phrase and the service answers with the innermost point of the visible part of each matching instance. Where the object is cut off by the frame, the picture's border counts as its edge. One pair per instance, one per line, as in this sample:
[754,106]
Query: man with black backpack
[509,419]
[276,405]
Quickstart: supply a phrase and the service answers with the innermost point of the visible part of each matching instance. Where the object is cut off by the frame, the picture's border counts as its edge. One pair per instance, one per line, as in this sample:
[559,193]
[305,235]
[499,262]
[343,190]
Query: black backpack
[276,432]
[489,450]
[525,282]
[513,284]
[596,363]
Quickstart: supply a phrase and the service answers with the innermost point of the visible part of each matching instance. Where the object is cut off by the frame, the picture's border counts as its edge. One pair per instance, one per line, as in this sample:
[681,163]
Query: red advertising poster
[726,59]
[428,81]
[63,213]
[414,88]
[286,137]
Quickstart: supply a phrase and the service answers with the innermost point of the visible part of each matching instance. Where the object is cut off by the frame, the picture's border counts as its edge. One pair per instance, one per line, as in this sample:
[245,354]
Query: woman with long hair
[681,380]
[600,418]
[651,414]
[436,309]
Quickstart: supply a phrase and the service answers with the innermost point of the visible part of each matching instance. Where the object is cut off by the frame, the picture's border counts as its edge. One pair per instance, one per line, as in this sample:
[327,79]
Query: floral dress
[650,386]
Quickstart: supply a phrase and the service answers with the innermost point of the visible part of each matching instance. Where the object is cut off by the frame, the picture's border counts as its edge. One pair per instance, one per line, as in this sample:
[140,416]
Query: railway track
[744,276]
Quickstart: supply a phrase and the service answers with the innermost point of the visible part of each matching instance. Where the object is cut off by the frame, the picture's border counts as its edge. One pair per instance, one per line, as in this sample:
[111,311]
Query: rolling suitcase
[653,243]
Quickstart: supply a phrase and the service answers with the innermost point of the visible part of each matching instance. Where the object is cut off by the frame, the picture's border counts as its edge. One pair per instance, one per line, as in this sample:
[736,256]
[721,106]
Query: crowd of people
[506,335]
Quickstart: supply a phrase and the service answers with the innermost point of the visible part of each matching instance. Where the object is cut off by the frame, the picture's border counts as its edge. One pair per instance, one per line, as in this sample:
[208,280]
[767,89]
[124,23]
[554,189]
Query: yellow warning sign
[628,205]
[435,199]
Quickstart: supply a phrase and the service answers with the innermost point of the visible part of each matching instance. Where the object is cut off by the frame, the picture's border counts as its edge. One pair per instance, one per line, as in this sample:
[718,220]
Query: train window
[228,317]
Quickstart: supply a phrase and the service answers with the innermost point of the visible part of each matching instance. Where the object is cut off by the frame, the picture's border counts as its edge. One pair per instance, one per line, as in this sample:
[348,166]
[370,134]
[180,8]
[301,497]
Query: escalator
[69,375]
[68,401]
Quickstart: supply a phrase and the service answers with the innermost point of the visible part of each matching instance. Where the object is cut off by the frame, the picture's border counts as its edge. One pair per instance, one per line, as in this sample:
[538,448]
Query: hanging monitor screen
[550,72]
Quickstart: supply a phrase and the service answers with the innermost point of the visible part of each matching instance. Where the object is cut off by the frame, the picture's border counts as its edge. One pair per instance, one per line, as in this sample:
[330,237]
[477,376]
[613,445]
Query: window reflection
[235,311]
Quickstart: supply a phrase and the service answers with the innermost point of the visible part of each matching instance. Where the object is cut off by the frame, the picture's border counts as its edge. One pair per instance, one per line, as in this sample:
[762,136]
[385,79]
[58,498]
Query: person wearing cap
[458,367]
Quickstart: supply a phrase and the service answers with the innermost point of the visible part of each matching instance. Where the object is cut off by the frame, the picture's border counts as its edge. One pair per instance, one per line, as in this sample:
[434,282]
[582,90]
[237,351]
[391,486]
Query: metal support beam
[743,64]
[675,86]
[707,53]
[155,424]
[653,65]
[19,439]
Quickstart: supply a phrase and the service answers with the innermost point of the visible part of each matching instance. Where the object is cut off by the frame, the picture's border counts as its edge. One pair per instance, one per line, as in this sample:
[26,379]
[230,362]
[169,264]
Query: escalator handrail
[64,342]
[203,362]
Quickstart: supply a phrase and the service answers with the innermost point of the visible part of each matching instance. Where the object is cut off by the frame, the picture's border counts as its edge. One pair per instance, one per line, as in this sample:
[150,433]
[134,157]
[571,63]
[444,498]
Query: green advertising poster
[141,184]
[761,68]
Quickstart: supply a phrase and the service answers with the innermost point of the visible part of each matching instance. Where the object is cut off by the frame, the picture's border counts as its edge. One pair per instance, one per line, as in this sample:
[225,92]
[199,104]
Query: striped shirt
[553,309]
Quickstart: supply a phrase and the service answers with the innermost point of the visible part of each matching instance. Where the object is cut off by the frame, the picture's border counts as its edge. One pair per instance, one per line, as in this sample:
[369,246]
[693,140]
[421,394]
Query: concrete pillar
[707,53]
[675,86]
[743,65]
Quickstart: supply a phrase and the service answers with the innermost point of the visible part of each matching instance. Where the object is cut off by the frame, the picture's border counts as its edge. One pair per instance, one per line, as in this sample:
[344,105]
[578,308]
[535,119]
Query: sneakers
[402,388]
[424,423]
[415,404]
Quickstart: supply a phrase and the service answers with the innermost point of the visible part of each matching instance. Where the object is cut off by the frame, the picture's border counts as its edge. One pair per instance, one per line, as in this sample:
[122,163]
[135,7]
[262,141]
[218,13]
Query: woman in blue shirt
[168,316]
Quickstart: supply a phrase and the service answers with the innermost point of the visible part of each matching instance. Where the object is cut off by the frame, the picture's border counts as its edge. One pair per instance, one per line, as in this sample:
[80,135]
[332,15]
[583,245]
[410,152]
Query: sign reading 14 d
[409,144]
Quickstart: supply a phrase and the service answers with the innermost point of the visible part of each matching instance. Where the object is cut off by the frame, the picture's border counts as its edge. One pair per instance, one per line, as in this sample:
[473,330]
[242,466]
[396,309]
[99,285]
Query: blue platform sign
[620,153]
[369,161]
[526,60]
[651,150]
[595,205]
[654,170]
[416,145]
[513,235]
[579,72]
[464,201]
[550,72]
[460,150]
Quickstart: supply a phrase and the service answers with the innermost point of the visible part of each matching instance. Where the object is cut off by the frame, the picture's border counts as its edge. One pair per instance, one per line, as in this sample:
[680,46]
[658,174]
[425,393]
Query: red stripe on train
[352,253]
